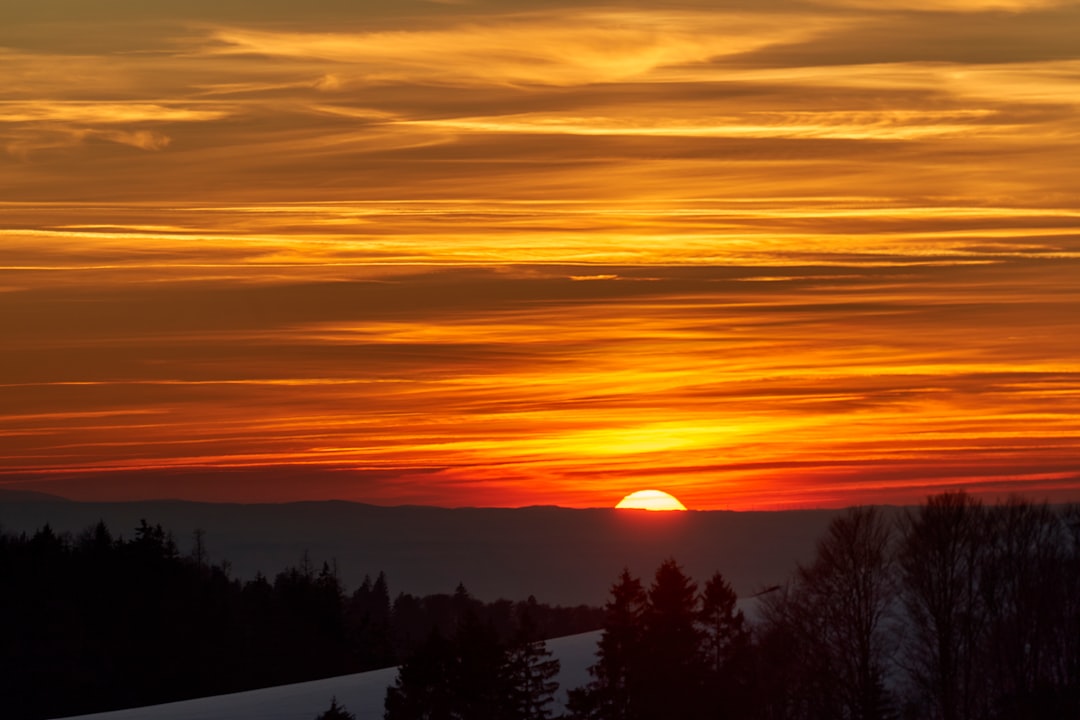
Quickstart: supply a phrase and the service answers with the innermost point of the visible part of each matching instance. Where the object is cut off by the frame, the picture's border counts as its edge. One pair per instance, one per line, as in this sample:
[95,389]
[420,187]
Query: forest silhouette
[953,610]
[97,622]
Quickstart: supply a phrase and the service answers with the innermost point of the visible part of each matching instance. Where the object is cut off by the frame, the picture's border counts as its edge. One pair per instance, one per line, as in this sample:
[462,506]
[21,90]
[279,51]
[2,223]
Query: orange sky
[757,254]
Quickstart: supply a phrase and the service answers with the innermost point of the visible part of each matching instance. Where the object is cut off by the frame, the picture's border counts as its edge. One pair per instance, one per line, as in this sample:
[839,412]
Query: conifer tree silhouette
[612,693]
[335,712]
[532,672]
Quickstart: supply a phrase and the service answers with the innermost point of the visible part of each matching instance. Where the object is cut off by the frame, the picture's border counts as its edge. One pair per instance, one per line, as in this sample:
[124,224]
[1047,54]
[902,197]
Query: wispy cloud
[959,6]
[585,47]
[781,253]
[103,113]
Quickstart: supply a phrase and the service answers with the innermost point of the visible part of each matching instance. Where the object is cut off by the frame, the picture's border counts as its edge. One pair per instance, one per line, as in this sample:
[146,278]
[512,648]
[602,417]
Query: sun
[650,500]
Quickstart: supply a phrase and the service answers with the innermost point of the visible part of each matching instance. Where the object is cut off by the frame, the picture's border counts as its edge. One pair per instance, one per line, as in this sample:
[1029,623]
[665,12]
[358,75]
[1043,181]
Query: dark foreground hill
[560,555]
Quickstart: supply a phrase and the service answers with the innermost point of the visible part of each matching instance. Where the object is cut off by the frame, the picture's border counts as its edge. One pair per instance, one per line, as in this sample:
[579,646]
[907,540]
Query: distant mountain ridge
[560,555]
[7,496]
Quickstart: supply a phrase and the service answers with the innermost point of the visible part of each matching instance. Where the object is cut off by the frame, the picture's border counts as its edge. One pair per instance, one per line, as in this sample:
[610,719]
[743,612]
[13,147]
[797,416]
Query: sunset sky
[756,253]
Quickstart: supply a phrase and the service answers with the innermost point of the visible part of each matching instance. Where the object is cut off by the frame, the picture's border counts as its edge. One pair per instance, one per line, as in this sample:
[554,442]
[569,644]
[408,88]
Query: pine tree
[380,599]
[481,681]
[532,673]
[724,624]
[611,694]
[461,679]
[422,689]
[336,712]
[673,667]
[726,647]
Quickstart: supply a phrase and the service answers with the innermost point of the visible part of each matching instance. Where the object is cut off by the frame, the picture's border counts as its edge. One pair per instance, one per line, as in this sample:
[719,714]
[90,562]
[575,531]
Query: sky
[759,254]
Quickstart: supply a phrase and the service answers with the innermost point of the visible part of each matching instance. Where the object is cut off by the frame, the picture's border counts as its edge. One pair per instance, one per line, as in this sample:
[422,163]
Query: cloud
[851,125]
[25,144]
[44,125]
[956,6]
[105,113]
[142,139]
[592,47]
[776,253]
[501,377]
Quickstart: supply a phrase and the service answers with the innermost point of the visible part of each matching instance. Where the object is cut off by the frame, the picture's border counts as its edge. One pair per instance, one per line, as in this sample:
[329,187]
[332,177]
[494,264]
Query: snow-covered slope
[360,694]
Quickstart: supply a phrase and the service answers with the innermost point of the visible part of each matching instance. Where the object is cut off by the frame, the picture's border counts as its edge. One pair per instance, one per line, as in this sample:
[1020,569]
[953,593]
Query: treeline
[670,652]
[97,622]
[476,674]
[666,652]
[954,610]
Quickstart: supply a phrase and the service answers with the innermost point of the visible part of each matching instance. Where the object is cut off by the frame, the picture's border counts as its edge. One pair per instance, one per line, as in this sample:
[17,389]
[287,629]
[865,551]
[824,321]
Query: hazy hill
[9,496]
[559,555]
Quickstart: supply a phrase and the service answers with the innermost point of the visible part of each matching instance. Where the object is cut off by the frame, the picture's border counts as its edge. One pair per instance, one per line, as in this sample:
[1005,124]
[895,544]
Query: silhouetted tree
[791,684]
[152,543]
[482,680]
[532,671]
[422,689]
[854,586]
[1024,584]
[1069,630]
[368,618]
[673,666]
[650,659]
[335,712]
[103,622]
[726,647]
[826,643]
[310,620]
[723,624]
[940,558]
[466,677]
[199,554]
[616,684]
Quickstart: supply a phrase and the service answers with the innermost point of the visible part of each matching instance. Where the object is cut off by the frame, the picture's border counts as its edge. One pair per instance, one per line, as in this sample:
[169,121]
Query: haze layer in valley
[560,555]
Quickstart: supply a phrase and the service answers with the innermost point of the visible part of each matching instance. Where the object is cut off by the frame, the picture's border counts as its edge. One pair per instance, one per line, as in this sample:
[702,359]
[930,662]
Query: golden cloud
[869,124]
[956,6]
[105,113]
[590,47]
[781,253]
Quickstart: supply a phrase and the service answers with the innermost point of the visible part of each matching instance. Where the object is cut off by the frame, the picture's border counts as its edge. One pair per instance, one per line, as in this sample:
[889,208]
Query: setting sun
[650,500]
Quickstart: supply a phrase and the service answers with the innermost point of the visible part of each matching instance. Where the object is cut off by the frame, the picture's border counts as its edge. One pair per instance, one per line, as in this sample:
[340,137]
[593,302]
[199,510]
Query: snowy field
[361,694]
